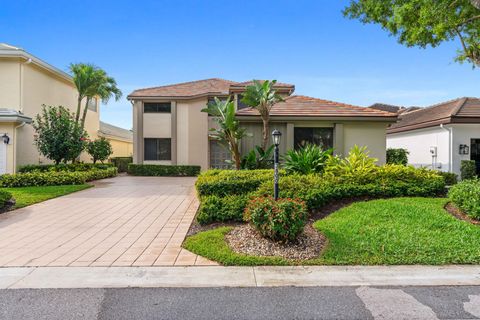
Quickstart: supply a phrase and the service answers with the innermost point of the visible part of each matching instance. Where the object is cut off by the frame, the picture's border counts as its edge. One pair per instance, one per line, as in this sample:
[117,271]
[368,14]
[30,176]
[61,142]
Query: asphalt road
[243,303]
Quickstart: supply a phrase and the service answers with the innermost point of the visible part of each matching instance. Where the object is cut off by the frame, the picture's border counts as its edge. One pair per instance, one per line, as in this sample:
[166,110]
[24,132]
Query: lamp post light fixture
[276,141]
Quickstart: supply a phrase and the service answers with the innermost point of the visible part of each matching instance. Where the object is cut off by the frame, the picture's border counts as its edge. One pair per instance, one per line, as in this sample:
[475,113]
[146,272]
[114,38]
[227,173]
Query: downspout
[450,143]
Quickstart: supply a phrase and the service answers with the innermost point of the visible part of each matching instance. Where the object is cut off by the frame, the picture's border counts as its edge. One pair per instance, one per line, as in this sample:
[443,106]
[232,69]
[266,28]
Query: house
[439,136]
[27,82]
[169,127]
[120,139]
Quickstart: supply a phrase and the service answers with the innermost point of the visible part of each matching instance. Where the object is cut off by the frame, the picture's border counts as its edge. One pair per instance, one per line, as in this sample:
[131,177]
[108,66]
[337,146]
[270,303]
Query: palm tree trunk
[236,156]
[266,132]
[79,105]
[84,115]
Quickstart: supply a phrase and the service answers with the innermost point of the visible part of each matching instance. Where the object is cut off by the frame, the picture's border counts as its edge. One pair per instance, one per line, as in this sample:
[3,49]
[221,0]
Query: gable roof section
[303,106]
[109,130]
[461,110]
[192,89]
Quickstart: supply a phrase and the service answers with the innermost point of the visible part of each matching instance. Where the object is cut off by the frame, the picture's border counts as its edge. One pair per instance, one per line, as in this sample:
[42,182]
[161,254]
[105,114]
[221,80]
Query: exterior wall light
[276,141]
[6,138]
[464,149]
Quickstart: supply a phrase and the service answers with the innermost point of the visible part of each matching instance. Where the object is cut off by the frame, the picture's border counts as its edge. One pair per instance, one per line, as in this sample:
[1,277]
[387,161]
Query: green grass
[26,196]
[392,231]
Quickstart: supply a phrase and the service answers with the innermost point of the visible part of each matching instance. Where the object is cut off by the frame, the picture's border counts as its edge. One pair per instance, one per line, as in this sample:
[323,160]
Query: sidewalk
[217,276]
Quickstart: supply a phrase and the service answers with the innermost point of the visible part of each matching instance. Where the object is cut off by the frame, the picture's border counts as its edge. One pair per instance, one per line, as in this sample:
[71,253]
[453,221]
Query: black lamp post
[276,141]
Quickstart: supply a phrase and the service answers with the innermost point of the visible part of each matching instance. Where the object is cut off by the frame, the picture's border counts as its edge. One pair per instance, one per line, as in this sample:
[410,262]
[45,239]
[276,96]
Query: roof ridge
[341,104]
[187,82]
[459,106]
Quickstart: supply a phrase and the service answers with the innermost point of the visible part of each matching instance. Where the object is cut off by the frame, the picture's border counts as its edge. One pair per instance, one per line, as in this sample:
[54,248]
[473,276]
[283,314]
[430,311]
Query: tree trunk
[266,133]
[236,157]
[79,105]
[84,115]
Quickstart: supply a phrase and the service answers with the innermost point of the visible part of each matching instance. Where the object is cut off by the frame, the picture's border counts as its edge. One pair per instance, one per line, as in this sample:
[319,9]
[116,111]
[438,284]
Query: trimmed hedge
[224,194]
[72,167]
[468,169]
[163,170]
[450,177]
[55,178]
[5,196]
[466,196]
[121,163]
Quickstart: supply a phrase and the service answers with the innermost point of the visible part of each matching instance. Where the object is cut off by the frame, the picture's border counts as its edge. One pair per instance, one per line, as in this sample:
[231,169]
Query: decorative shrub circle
[282,220]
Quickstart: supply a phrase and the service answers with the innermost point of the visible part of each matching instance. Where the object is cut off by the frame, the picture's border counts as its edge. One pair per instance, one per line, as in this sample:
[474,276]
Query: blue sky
[307,43]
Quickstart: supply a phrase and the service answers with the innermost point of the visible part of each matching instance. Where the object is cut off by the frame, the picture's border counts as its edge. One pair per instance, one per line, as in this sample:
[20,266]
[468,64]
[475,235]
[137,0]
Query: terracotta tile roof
[461,110]
[298,106]
[214,86]
[278,85]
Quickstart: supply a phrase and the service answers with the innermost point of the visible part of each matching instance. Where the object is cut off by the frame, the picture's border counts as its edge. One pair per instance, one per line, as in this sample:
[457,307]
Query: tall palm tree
[104,87]
[262,96]
[83,78]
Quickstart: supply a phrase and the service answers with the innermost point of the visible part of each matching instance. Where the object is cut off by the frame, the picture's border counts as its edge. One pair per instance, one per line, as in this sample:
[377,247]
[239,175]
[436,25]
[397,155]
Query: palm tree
[83,78]
[262,96]
[228,132]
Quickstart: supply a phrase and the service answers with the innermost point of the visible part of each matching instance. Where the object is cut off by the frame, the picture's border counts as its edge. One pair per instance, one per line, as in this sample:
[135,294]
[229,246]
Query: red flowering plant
[282,220]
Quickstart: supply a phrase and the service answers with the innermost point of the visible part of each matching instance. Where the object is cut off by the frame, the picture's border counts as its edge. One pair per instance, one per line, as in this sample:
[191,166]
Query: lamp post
[276,141]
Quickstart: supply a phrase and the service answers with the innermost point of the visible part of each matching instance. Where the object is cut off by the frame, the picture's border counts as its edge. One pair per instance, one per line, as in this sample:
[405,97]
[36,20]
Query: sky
[306,43]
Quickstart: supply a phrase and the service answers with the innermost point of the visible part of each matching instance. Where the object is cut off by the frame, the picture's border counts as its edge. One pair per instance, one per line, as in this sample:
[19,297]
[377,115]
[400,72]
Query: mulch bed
[245,239]
[457,213]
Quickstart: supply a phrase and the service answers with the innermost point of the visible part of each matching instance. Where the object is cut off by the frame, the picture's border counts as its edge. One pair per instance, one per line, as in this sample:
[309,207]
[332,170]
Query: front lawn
[26,196]
[391,231]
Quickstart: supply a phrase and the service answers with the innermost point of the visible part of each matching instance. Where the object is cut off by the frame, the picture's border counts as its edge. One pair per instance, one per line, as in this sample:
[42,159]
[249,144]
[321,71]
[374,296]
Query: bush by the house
[468,169]
[121,163]
[450,177]
[221,209]
[54,178]
[357,164]
[466,196]
[72,167]
[397,156]
[163,170]
[309,159]
[5,196]
[99,149]
[282,220]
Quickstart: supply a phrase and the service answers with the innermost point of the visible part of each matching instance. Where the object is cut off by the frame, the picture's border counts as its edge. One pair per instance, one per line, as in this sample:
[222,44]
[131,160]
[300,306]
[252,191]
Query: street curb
[217,276]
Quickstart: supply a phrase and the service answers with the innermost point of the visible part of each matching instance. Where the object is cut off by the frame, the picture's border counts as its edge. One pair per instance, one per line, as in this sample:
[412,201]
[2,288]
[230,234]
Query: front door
[475,153]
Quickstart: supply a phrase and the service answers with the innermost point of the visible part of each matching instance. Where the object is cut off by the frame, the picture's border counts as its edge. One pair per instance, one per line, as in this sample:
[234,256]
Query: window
[158,149]
[240,104]
[212,99]
[157,107]
[92,104]
[219,156]
[322,137]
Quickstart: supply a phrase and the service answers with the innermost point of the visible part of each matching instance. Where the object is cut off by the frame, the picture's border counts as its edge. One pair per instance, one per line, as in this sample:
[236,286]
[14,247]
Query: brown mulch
[245,239]
[457,213]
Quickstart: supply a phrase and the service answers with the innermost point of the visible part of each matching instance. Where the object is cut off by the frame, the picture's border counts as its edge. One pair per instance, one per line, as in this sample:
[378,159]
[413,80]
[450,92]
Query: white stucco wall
[418,143]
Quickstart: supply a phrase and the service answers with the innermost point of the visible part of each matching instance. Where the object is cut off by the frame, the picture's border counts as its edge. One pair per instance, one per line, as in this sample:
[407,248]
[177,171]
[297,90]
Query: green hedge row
[163,170]
[466,196]
[121,163]
[72,167]
[54,178]
[315,190]
[4,197]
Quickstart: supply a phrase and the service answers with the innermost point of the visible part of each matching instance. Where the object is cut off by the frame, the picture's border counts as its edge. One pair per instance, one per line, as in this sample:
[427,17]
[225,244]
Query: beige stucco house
[169,127]
[26,82]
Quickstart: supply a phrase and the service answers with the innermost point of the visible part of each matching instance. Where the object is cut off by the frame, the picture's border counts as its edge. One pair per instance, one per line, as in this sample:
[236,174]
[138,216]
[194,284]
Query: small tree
[262,96]
[228,132]
[99,149]
[397,156]
[58,136]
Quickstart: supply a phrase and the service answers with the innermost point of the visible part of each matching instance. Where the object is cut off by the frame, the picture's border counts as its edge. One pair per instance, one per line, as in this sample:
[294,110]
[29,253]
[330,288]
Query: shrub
[231,182]
[72,167]
[5,196]
[309,159]
[357,164]
[466,196]
[54,178]
[397,156]
[99,149]
[449,177]
[221,209]
[162,170]
[468,169]
[258,158]
[121,163]
[282,220]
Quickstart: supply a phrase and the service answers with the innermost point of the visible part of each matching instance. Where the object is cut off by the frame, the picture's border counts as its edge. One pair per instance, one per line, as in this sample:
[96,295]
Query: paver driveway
[124,221]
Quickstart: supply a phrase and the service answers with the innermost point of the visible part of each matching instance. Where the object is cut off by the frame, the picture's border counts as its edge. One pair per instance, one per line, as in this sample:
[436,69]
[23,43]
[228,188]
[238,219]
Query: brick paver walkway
[124,221]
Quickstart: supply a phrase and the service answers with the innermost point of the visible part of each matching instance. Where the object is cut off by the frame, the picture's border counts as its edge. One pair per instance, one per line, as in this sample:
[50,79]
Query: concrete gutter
[217,276]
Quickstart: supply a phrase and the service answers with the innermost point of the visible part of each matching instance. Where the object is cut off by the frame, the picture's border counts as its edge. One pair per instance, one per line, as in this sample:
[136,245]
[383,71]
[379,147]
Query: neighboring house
[120,139]
[26,83]
[169,127]
[440,136]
